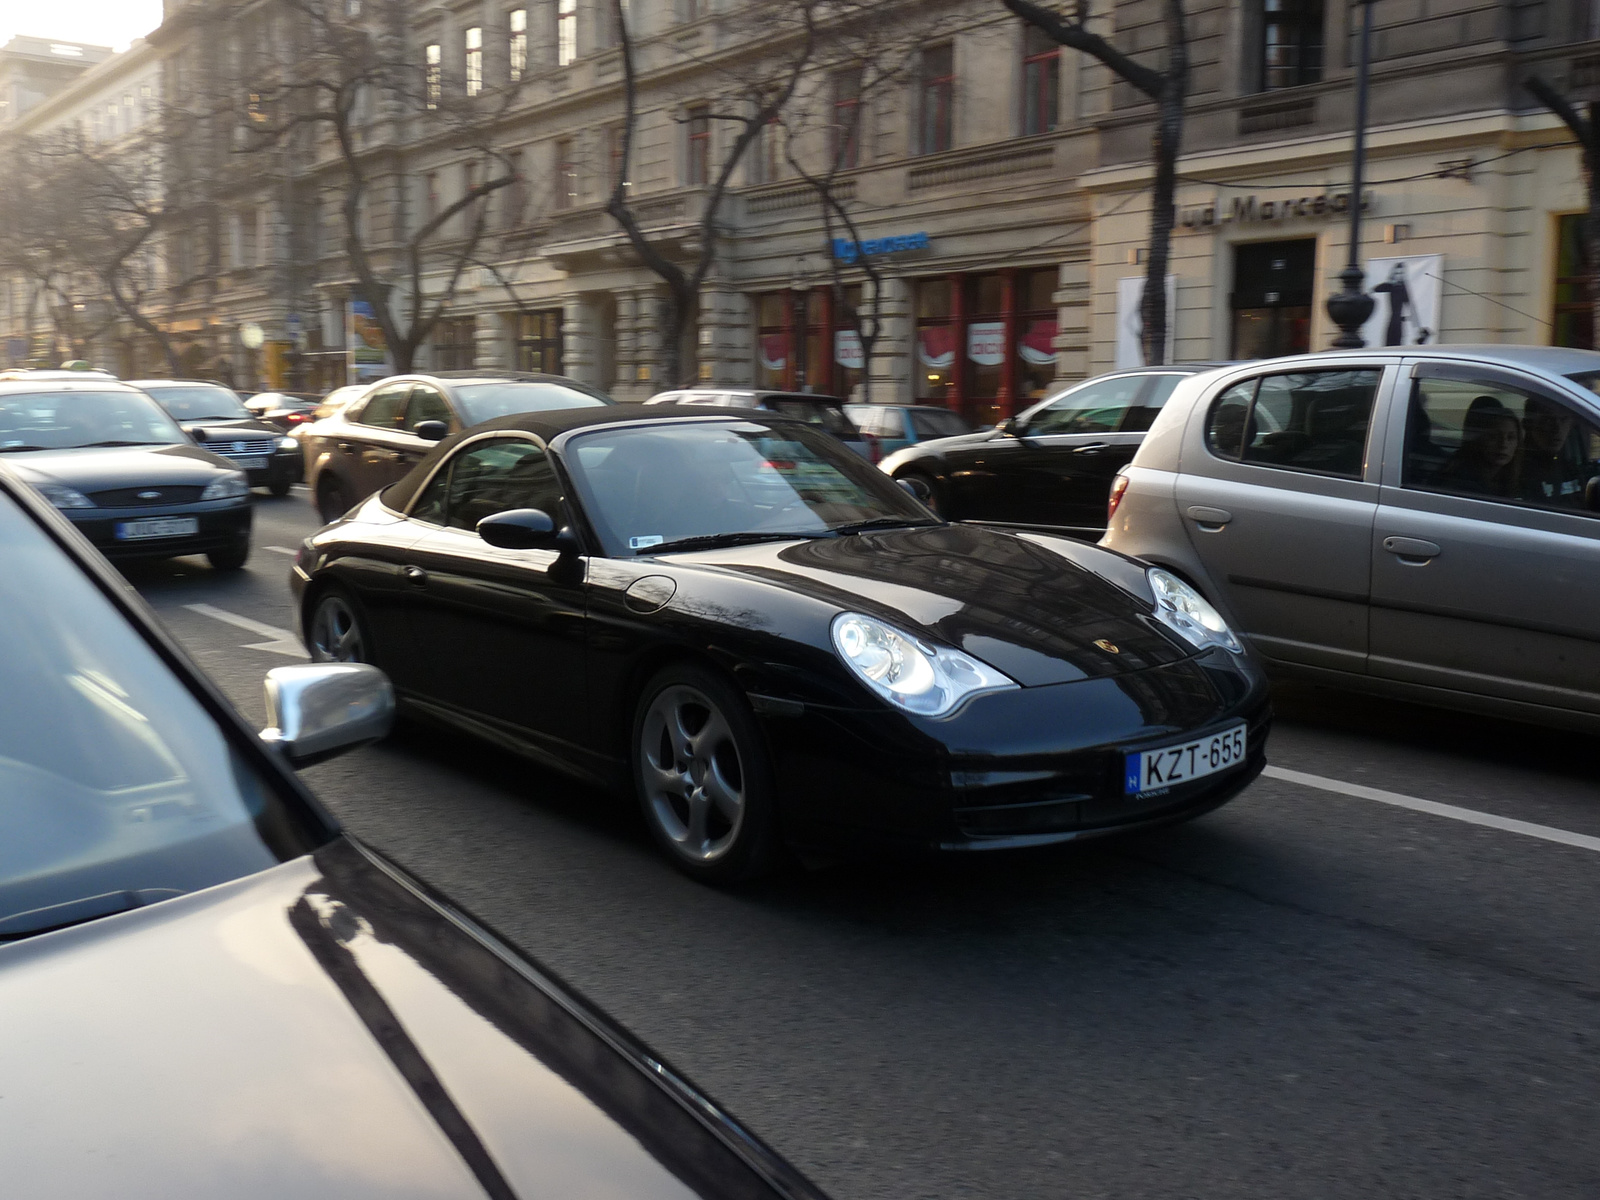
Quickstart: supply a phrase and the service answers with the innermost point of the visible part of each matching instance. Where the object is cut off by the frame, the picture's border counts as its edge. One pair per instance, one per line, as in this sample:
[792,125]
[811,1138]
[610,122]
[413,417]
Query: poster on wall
[936,348]
[1407,291]
[847,349]
[1130,292]
[369,353]
[986,343]
[774,351]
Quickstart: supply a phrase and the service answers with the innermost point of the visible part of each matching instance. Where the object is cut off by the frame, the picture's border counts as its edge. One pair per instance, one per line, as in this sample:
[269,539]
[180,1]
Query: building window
[1041,82]
[474,46]
[433,75]
[1574,298]
[936,100]
[455,344]
[698,161]
[519,43]
[1036,334]
[774,317]
[1291,43]
[762,161]
[566,175]
[516,195]
[539,341]
[934,355]
[566,32]
[616,151]
[430,196]
[844,136]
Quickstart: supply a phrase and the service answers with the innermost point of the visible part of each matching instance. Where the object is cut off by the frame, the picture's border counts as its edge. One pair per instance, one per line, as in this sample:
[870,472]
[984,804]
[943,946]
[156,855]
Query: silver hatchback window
[1314,421]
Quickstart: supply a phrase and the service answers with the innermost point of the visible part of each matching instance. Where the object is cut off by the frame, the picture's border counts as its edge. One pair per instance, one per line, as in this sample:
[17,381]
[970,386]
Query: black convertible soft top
[550,424]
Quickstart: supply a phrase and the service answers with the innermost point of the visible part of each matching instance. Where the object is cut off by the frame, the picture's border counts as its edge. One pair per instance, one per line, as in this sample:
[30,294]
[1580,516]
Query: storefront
[539,342]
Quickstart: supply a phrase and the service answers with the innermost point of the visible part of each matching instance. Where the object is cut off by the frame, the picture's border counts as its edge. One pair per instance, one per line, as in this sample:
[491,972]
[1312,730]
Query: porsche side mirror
[432,431]
[317,711]
[526,529]
[1010,427]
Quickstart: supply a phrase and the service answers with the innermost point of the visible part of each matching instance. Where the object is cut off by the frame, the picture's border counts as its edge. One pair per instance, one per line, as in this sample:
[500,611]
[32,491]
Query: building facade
[995,185]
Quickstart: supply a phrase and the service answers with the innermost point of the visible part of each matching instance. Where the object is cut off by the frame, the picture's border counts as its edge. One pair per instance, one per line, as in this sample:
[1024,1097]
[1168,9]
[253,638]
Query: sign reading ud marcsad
[1253,210]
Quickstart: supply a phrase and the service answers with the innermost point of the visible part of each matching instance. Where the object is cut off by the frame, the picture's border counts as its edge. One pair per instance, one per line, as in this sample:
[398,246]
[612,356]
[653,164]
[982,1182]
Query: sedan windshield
[674,485]
[486,401]
[117,787]
[200,403]
[67,419]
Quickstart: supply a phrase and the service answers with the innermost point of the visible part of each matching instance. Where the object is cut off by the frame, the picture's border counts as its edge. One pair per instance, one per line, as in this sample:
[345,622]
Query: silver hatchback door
[1277,501]
[1486,555]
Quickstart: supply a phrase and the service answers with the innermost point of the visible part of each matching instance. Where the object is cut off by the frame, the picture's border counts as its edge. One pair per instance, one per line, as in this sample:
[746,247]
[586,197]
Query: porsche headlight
[63,496]
[1189,614]
[931,681]
[229,487]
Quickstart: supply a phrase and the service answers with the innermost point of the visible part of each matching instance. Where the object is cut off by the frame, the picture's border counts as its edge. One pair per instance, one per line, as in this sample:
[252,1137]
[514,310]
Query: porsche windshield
[117,787]
[70,418]
[201,402]
[656,487]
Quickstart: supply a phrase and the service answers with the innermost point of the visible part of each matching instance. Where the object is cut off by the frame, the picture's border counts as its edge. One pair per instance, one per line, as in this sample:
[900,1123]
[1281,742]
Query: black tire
[703,778]
[231,557]
[926,488]
[336,630]
[280,486]
[332,500]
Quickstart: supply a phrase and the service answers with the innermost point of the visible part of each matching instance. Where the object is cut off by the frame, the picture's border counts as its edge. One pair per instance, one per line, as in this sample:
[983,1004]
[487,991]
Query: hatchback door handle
[1407,547]
[1209,516]
[1091,448]
[416,576]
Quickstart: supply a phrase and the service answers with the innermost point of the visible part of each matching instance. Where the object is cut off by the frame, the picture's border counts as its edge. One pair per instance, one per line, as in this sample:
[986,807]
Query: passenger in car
[1486,462]
[1553,467]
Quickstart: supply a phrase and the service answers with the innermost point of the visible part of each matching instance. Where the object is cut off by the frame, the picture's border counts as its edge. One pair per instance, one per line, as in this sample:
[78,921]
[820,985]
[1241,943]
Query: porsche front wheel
[702,776]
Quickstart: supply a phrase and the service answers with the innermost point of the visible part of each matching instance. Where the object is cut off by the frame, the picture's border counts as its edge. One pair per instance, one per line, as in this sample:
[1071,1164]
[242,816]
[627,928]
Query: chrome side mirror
[323,709]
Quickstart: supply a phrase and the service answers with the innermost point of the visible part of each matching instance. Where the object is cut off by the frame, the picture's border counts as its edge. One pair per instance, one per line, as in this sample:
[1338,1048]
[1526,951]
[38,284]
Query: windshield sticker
[645,542]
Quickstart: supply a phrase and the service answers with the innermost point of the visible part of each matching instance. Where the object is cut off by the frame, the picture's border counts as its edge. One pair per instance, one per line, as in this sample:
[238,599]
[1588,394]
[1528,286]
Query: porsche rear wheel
[337,632]
[702,775]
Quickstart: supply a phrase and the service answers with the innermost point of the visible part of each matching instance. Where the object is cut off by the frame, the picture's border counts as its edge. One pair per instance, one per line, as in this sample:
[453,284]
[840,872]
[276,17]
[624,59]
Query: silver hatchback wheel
[691,774]
[336,634]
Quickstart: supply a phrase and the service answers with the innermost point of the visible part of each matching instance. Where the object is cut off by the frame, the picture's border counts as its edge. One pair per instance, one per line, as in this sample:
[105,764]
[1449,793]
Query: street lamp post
[1351,307]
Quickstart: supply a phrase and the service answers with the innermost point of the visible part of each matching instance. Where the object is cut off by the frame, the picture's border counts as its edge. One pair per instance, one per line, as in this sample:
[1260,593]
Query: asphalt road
[1306,993]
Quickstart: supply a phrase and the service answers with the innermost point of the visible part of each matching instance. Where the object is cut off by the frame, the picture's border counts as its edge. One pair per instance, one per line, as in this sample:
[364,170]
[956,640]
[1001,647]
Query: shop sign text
[847,251]
[1252,210]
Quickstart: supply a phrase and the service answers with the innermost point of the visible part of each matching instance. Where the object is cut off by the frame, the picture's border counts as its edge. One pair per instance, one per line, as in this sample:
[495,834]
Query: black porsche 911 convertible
[774,644]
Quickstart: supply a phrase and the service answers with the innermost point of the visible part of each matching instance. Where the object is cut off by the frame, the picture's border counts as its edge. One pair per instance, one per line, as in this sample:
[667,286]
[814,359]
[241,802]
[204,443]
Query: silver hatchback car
[1420,521]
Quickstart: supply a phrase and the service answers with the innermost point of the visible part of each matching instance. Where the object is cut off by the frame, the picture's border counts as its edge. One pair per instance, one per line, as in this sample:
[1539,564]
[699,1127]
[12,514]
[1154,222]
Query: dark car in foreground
[824,412]
[120,469]
[209,990]
[771,643]
[214,417]
[1048,467]
[374,440]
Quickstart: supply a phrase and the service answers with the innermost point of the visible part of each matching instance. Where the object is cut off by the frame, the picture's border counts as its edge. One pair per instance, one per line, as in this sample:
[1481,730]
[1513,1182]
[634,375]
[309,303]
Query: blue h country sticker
[1131,780]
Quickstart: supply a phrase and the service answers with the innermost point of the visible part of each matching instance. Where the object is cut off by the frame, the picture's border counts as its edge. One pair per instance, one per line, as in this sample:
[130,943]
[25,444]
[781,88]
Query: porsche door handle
[1207,517]
[416,576]
[1411,549]
[1091,448]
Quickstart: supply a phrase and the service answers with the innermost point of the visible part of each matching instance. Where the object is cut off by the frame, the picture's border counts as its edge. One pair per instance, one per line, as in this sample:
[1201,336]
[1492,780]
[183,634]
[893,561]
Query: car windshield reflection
[649,489]
[485,401]
[117,788]
[67,420]
[201,403]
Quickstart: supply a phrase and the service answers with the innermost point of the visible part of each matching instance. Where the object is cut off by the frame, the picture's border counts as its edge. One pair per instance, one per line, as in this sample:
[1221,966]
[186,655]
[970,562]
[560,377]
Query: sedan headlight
[288,443]
[1189,614]
[932,681]
[229,487]
[63,496]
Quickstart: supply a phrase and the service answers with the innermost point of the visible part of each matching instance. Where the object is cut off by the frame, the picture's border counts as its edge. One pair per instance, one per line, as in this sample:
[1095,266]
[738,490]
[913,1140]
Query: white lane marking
[1434,808]
[281,550]
[281,641]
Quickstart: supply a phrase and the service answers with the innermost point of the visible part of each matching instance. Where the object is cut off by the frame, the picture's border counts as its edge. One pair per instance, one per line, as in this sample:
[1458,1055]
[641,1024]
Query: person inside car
[1552,458]
[1486,462]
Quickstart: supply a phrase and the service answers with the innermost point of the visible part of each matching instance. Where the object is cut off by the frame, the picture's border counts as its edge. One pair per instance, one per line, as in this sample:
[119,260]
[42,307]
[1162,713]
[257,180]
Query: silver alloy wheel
[692,774]
[336,633]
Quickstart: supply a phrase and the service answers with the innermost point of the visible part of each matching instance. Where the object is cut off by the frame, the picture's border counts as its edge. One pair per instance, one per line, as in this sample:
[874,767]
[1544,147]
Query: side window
[1094,408]
[383,409]
[498,475]
[426,405]
[1488,440]
[430,505]
[1304,421]
[1161,388]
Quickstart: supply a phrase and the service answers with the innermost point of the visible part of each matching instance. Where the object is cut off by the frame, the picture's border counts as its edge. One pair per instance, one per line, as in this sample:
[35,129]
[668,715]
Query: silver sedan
[1419,521]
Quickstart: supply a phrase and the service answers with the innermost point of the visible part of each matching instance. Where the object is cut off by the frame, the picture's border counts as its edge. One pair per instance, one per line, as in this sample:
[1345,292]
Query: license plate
[157,527]
[1152,770]
[250,464]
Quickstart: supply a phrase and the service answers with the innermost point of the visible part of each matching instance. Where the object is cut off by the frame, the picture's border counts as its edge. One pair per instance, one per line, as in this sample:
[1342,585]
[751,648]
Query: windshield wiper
[882,523]
[13,449]
[76,912]
[709,540]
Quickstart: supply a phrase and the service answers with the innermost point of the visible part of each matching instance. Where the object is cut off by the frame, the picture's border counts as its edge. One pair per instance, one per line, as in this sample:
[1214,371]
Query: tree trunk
[1153,314]
[1591,237]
